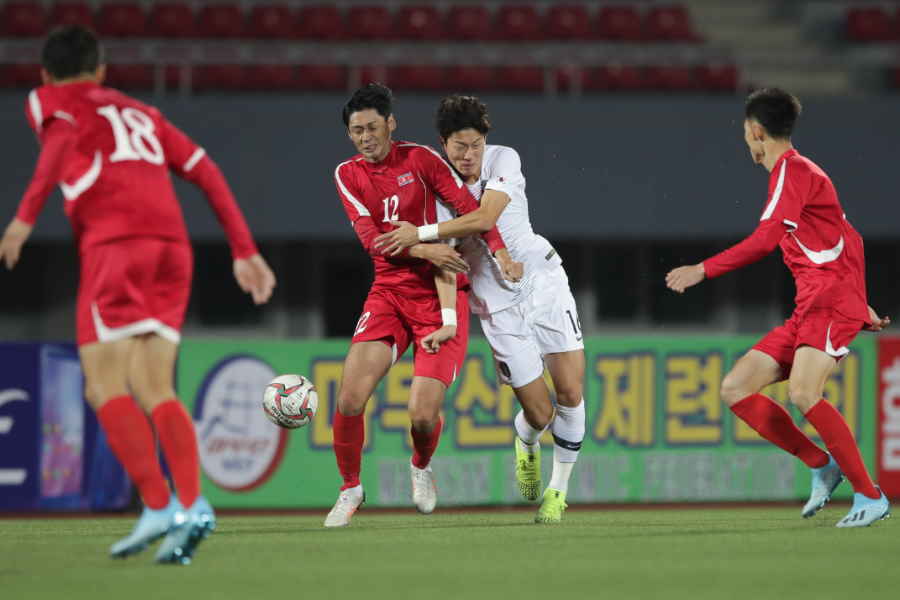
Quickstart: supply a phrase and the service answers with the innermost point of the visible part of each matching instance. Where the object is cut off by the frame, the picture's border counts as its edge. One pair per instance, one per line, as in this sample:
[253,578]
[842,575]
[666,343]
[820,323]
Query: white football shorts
[545,322]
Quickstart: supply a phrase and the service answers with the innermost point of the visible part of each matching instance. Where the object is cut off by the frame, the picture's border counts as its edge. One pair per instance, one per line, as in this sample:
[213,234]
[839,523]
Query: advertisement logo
[11,476]
[239,448]
[888,451]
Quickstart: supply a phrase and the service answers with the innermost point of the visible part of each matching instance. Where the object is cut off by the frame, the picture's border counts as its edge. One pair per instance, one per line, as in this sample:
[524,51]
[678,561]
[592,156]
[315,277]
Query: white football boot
[866,511]
[348,502]
[152,525]
[424,492]
[824,481]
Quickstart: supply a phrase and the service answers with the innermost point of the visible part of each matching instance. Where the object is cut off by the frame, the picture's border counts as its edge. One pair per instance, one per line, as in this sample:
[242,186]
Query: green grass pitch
[716,553]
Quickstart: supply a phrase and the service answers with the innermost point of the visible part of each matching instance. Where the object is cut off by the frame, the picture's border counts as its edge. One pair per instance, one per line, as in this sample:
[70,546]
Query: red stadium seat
[870,25]
[417,77]
[520,79]
[23,19]
[322,77]
[220,21]
[621,23]
[467,79]
[418,23]
[567,22]
[323,22]
[372,74]
[717,78]
[518,23]
[219,77]
[121,20]
[273,21]
[20,76]
[670,78]
[669,23]
[172,20]
[614,78]
[468,23]
[272,77]
[71,13]
[130,77]
[369,22]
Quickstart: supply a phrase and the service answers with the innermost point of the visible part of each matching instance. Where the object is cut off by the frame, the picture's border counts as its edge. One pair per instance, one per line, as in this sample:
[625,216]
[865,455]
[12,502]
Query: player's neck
[775,149]
[89,78]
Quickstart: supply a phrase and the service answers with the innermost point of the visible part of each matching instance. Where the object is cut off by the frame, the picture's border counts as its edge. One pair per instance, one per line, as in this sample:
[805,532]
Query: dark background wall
[598,169]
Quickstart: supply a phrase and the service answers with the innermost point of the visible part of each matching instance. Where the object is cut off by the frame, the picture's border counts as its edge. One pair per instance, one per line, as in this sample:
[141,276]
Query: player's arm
[781,216]
[877,323]
[191,163]
[445,282]
[56,137]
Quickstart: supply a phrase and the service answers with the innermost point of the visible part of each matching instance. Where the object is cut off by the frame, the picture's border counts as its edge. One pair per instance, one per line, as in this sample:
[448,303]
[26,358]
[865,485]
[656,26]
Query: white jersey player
[531,323]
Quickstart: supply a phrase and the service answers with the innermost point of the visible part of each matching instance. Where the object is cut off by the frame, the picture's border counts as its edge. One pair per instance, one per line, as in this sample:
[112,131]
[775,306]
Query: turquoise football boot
[152,525]
[824,481]
[866,511]
[190,527]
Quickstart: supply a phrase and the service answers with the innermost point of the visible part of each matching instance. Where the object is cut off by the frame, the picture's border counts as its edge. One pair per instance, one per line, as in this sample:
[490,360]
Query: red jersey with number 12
[405,186]
[823,251]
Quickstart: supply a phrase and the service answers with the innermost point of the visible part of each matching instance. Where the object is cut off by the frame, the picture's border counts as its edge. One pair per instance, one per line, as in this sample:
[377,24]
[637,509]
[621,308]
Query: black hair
[775,109]
[70,51]
[457,112]
[376,96]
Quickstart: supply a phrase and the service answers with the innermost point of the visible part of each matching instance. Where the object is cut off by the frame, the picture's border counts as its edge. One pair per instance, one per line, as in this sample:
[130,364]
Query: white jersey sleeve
[506,173]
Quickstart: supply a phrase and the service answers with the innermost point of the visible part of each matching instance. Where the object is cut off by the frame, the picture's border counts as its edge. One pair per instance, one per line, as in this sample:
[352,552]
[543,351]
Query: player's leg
[151,377]
[741,388]
[567,371]
[519,365]
[130,437]
[366,363]
[425,400]
[811,369]
[432,375]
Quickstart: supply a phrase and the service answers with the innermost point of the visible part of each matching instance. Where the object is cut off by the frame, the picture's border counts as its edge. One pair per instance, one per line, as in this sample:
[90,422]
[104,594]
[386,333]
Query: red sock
[770,420]
[349,436]
[179,443]
[425,444]
[129,436]
[839,441]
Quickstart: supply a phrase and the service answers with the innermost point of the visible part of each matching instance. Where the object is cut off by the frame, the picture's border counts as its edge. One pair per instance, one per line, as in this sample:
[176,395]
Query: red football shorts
[131,287]
[821,328]
[398,321]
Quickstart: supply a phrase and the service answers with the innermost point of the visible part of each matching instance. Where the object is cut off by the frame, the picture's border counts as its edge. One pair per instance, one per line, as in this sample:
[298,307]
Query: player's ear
[100,73]
[759,133]
[392,123]
[45,77]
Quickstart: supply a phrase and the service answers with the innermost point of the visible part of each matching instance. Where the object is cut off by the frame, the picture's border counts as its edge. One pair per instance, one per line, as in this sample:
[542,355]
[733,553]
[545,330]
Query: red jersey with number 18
[111,155]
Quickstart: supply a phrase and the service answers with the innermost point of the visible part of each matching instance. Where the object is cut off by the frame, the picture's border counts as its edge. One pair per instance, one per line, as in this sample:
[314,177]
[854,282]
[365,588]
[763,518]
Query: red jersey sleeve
[760,243]
[191,163]
[56,137]
[444,180]
[358,213]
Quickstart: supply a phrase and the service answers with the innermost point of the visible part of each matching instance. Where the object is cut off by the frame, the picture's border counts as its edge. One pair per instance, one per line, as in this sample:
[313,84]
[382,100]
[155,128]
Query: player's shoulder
[495,153]
[801,166]
[348,167]
[413,151]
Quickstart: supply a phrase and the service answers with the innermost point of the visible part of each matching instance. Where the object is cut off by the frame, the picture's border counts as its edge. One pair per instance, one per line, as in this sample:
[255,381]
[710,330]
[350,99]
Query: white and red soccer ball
[290,401]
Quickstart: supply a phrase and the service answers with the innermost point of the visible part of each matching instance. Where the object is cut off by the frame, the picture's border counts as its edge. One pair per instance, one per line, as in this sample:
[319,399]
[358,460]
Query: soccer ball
[290,401]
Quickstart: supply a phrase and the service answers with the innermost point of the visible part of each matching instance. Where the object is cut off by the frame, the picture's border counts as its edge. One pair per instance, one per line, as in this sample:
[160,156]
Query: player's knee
[801,397]
[733,390]
[539,416]
[569,395]
[351,402]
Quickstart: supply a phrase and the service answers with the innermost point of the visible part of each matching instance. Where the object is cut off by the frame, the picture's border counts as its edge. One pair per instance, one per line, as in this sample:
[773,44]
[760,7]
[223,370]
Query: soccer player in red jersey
[390,181]
[825,255]
[111,156]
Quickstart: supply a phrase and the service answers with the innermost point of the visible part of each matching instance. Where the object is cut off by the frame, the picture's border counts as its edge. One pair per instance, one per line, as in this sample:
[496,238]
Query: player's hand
[442,256]
[877,323]
[394,242]
[255,277]
[510,269]
[431,343]
[13,239]
[682,278]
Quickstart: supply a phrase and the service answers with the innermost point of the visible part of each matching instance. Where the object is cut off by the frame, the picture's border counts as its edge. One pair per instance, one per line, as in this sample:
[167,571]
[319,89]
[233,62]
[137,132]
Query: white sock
[528,434]
[568,433]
